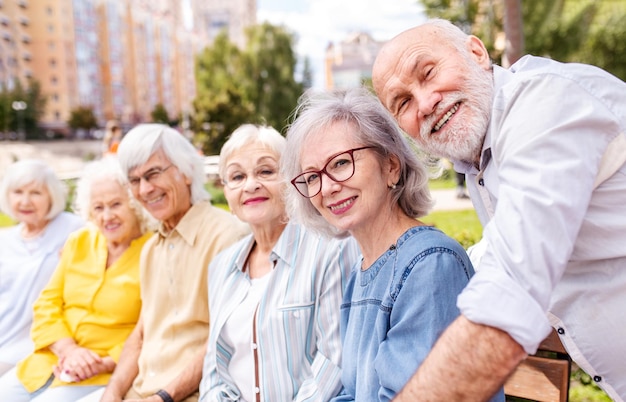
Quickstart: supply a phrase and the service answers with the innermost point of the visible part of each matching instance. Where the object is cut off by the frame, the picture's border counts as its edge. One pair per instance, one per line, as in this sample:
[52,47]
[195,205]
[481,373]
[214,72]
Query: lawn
[463,226]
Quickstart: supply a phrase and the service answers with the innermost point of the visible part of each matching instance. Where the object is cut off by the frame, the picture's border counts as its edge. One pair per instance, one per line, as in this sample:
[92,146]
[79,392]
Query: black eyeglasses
[339,168]
[151,176]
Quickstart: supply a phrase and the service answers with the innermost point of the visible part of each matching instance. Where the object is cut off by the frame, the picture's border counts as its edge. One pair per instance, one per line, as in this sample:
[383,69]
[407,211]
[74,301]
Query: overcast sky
[319,22]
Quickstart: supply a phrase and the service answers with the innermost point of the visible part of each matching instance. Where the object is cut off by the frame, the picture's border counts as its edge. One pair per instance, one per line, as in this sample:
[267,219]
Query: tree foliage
[251,85]
[159,114]
[82,117]
[586,31]
[10,119]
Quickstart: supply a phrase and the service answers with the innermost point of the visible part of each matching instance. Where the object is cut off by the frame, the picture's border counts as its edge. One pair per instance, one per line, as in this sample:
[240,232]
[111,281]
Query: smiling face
[440,95]
[257,198]
[355,204]
[30,203]
[166,195]
[112,213]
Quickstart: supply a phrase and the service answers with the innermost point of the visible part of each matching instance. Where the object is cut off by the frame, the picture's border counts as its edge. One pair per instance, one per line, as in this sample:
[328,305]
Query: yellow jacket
[95,306]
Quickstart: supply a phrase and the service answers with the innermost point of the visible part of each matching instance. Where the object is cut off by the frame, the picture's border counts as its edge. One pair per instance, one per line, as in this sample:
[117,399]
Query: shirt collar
[188,226]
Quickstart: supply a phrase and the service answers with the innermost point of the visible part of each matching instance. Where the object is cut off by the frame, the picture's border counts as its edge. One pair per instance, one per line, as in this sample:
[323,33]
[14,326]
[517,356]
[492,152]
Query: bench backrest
[543,376]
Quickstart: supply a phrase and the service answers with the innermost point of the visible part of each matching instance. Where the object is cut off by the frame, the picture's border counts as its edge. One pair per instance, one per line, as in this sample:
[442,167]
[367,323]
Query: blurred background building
[121,58]
[348,64]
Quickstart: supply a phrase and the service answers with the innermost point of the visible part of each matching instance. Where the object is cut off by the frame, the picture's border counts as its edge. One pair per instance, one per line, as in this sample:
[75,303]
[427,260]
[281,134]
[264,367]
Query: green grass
[447,180]
[463,225]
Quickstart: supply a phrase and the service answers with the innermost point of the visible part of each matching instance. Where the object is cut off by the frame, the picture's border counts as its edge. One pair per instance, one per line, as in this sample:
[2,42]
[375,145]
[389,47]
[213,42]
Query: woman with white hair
[92,302]
[32,195]
[353,171]
[274,296]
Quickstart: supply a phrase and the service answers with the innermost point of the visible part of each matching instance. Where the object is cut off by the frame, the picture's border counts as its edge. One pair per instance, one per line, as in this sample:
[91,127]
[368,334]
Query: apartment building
[349,63]
[119,57]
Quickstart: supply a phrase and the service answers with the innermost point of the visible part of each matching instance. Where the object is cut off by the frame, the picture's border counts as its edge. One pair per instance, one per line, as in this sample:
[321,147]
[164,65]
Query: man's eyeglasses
[339,168]
[151,176]
[237,178]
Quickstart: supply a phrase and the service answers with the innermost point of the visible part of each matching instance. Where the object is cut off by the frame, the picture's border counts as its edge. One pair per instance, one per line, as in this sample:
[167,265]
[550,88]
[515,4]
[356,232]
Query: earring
[392,186]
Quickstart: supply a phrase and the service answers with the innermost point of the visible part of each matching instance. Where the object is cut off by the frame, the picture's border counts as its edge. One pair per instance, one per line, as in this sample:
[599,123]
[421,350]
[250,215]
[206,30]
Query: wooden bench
[543,376]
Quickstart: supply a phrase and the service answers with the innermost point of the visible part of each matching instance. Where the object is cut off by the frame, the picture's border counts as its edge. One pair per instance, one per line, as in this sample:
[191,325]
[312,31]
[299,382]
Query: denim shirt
[394,311]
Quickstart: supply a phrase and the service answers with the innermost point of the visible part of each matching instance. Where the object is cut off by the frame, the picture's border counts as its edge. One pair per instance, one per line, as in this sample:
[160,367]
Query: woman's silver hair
[36,171]
[250,133]
[105,169]
[375,127]
[140,143]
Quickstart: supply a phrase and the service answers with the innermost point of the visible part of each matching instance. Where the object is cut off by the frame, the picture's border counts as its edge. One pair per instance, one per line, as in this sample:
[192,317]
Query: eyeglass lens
[339,168]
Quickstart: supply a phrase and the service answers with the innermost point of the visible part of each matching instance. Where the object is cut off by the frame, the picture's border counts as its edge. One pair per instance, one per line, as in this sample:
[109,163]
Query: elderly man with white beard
[543,147]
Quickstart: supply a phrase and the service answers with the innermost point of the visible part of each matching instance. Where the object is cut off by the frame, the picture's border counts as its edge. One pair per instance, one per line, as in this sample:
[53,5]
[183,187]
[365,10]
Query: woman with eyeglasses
[274,296]
[354,172]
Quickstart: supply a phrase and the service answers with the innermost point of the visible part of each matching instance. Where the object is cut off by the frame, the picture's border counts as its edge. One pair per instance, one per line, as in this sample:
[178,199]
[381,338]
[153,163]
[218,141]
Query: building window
[55,97]
[51,45]
[50,28]
[53,63]
[57,115]
[53,80]
[49,10]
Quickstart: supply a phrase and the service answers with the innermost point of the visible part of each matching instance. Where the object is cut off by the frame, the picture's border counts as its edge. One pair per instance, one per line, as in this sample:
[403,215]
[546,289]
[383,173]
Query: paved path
[68,157]
[445,200]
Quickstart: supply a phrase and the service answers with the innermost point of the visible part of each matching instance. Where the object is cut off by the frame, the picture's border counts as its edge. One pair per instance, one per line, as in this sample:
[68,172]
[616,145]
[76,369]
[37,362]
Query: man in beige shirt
[162,358]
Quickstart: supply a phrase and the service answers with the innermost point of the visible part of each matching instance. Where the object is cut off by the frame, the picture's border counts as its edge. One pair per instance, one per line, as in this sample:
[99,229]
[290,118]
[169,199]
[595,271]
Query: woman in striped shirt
[274,296]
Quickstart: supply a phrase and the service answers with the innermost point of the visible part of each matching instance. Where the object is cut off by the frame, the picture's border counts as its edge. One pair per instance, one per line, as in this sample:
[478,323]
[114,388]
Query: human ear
[393,169]
[478,52]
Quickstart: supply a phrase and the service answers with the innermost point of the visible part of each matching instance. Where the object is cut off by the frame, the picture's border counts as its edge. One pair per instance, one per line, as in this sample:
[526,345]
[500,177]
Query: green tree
[159,114]
[270,67]
[586,31]
[220,105]
[251,85]
[606,46]
[27,119]
[82,117]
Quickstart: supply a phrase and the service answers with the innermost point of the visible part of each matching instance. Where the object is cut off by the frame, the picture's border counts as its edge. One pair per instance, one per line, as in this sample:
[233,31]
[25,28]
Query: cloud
[317,23]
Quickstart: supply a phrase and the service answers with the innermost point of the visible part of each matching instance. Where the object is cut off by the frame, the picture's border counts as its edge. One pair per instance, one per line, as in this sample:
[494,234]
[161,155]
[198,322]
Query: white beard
[462,139]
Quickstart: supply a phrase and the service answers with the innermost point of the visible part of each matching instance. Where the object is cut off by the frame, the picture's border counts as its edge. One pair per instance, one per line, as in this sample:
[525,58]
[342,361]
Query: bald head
[434,79]
[435,33]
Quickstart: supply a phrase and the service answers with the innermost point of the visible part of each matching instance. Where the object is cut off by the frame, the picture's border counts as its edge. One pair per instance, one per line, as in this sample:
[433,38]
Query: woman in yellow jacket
[92,302]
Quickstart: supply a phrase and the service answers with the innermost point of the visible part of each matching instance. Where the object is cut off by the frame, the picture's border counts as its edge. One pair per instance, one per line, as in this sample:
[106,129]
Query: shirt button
[254,346]
[597,378]
[561,331]
[171,247]
[481,182]
[256,390]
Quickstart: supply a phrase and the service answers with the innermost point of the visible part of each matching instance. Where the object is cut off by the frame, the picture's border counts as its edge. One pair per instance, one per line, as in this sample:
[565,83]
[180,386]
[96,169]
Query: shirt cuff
[492,298]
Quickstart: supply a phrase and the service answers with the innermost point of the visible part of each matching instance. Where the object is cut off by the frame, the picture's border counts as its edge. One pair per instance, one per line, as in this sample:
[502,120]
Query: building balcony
[26,38]
[24,21]
[22,3]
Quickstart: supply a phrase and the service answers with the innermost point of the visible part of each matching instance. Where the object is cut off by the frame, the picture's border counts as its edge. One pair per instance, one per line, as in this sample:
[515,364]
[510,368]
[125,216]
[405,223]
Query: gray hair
[249,133]
[140,143]
[376,128]
[36,171]
[108,168]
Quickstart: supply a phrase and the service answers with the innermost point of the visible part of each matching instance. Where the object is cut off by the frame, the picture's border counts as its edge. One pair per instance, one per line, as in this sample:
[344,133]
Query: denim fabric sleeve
[423,301]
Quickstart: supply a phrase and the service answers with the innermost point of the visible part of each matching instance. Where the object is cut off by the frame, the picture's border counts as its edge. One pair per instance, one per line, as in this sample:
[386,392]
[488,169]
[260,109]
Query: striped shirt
[297,320]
